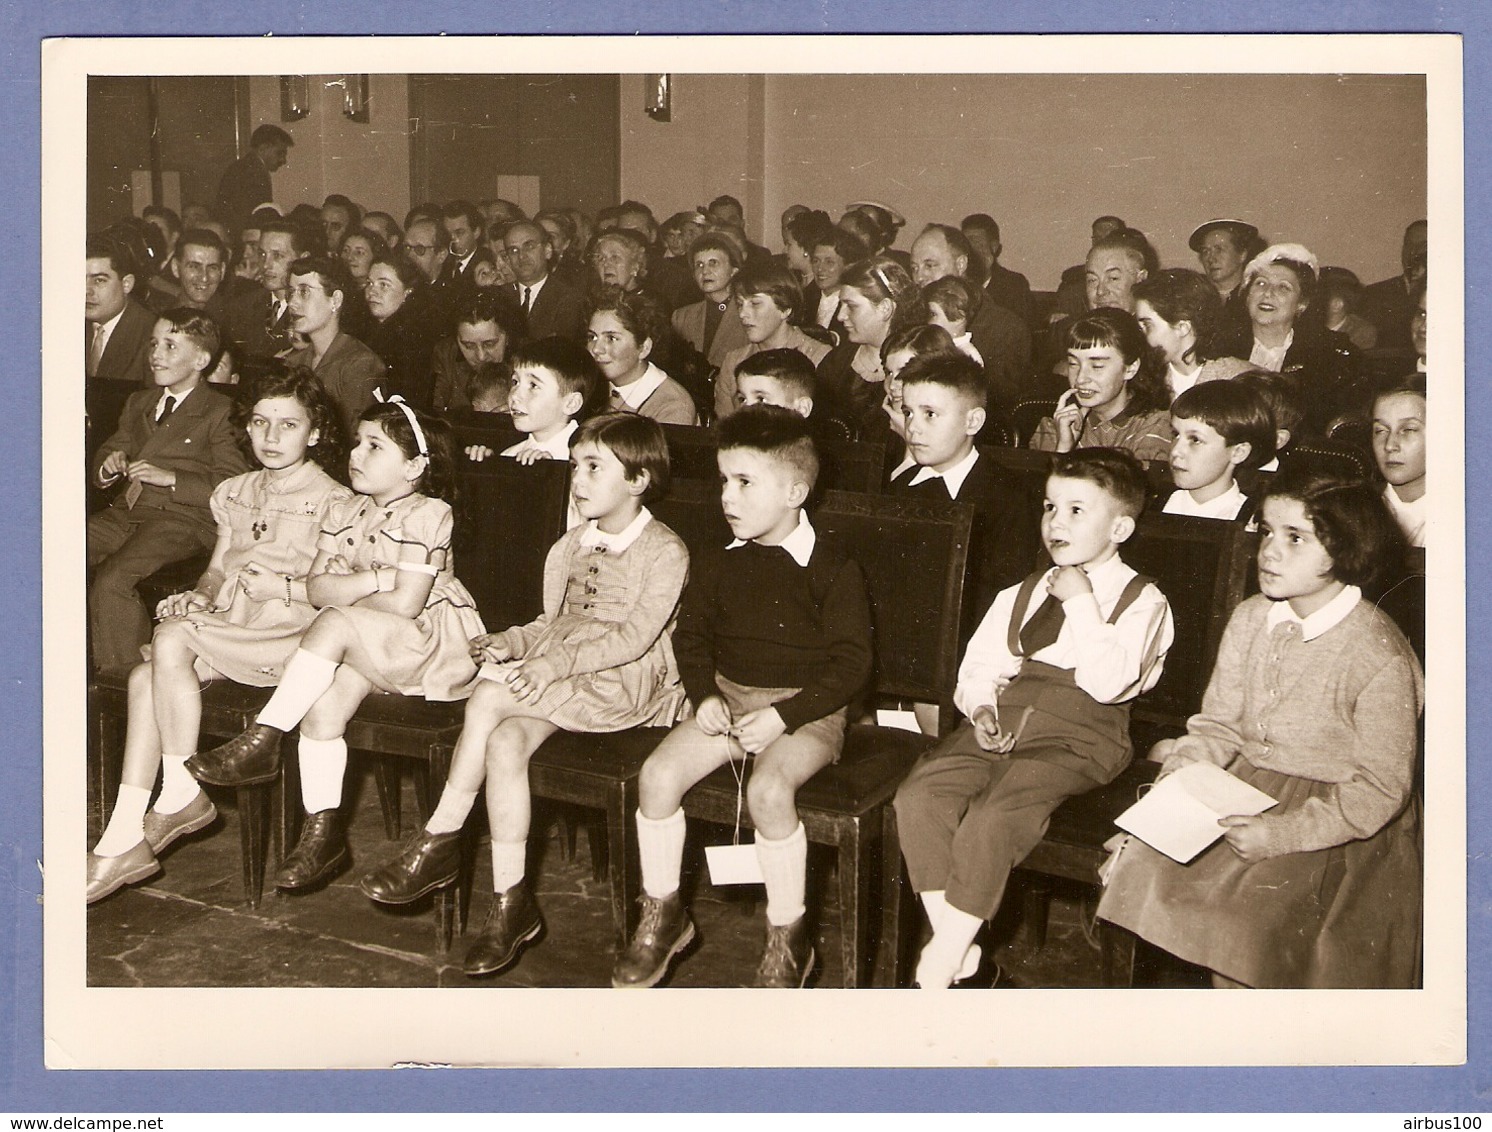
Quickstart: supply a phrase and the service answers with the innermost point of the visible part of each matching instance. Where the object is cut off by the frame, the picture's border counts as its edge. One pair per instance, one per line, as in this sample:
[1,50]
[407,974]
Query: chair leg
[386,774]
[450,913]
[253,833]
[896,909]
[623,804]
[1036,903]
[595,836]
[1117,955]
[854,900]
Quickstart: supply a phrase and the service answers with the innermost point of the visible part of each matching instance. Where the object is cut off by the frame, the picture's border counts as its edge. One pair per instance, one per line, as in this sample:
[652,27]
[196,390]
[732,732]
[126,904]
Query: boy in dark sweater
[773,643]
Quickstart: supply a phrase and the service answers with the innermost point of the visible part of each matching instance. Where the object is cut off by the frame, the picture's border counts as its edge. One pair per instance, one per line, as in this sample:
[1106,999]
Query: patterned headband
[419,433]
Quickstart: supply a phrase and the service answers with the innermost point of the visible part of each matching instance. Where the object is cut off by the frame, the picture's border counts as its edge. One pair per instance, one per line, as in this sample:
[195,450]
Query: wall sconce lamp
[657,100]
[355,97]
[295,97]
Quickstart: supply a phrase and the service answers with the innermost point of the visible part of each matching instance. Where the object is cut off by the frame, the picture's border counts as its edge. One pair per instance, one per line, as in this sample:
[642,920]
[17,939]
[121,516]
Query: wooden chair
[1200,565]
[1028,414]
[1330,455]
[913,555]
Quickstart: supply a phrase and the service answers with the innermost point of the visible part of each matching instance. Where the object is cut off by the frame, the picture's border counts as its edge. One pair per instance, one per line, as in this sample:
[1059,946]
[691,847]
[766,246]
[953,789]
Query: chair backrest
[511,514]
[1401,594]
[1201,566]
[495,430]
[1329,455]
[1028,414]
[914,554]
[691,453]
[1027,466]
[103,401]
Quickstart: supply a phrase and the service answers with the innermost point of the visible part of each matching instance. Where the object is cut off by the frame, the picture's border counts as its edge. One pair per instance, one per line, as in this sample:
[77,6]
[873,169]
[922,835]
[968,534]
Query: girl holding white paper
[1314,700]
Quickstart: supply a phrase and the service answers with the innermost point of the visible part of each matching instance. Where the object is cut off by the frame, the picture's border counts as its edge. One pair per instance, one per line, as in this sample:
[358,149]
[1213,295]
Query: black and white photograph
[714,516]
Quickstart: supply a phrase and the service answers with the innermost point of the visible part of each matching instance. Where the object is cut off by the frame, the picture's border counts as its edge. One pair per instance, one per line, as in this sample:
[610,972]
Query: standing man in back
[245,184]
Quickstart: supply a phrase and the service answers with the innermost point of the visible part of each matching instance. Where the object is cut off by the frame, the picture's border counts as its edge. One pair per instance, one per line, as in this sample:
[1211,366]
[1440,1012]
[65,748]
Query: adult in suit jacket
[348,370]
[150,525]
[257,324]
[1004,342]
[126,355]
[552,306]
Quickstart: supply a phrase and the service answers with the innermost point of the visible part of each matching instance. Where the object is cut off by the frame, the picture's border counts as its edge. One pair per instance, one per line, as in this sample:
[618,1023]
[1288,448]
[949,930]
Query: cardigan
[1341,709]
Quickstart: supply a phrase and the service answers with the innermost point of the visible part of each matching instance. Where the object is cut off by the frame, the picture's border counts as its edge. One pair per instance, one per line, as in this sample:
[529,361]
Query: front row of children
[1315,696]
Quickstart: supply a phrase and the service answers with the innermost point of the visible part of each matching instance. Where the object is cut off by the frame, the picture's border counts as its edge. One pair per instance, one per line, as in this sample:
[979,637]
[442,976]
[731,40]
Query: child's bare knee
[769,794]
[140,680]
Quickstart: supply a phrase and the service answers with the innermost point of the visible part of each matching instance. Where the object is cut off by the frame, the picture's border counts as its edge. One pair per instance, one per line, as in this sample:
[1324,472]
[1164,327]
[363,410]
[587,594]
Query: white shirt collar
[180,397]
[953,478]
[799,544]
[533,290]
[1179,382]
[1225,506]
[594,536]
[1329,616]
[557,445]
[640,390]
[1271,358]
[107,328]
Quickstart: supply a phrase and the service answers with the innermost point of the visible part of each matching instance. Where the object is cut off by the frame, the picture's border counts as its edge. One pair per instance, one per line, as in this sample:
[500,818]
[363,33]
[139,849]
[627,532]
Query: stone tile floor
[190,927]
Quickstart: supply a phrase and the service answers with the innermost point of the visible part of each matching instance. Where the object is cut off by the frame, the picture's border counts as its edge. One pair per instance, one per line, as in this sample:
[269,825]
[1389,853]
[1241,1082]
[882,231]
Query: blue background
[26,1086]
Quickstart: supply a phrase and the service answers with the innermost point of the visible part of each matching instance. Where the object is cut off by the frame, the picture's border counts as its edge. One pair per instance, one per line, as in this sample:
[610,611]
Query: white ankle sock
[126,824]
[451,812]
[178,787]
[785,869]
[323,763]
[507,864]
[935,904]
[307,676]
[660,845]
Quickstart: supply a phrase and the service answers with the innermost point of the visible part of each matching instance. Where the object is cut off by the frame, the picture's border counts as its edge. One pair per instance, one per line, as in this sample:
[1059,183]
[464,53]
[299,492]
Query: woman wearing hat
[1286,335]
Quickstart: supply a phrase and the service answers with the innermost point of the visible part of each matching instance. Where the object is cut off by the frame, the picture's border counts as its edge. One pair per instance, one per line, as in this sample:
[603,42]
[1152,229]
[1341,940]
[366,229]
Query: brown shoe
[251,758]
[663,930]
[106,875]
[787,960]
[318,856]
[163,830]
[512,921]
[428,861]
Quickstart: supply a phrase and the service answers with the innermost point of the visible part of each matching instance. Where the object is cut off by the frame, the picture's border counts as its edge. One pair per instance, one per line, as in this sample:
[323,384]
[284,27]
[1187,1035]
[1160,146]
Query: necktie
[616,399]
[1043,628]
[96,349]
[166,410]
[528,303]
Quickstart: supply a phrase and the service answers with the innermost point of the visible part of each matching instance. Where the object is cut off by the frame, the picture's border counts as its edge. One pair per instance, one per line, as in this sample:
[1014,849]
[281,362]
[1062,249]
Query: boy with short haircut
[949,303]
[784,378]
[768,299]
[174,444]
[555,382]
[943,409]
[1281,392]
[1045,686]
[1221,427]
[773,643]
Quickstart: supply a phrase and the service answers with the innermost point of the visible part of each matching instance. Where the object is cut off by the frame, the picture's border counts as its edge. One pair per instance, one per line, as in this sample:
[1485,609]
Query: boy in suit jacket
[174,444]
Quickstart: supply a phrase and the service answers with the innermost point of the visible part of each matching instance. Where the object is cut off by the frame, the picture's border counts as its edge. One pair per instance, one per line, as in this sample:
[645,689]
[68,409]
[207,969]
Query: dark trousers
[124,547]
[967,818]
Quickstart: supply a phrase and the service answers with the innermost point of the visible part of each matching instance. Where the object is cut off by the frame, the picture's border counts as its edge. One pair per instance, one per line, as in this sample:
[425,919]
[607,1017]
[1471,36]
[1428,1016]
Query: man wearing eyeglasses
[425,245]
[551,306]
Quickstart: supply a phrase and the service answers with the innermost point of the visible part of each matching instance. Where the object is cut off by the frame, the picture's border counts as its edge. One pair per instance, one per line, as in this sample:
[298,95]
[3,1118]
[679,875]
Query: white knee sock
[660,845]
[126,824]
[507,863]
[307,677]
[785,869]
[178,787]
[935,904]
[944,957]
[323,763]
[451,812]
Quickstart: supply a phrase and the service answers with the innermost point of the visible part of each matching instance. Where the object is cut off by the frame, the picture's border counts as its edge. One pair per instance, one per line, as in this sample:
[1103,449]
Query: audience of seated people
[550,320]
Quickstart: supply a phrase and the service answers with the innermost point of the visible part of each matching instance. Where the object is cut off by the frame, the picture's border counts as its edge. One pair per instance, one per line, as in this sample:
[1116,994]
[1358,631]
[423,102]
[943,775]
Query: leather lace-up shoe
[106,875]
[663,930]
[512,921]
[162,830]
[788,957]
[428,861]
[318,856]
[251,758]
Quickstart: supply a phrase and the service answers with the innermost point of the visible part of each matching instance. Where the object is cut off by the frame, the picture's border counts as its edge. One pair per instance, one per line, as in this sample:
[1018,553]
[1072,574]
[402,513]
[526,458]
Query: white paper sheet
[1179,815]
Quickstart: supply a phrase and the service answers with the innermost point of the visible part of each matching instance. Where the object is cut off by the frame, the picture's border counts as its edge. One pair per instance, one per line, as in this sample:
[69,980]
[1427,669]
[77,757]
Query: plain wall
[367,161]
[1335,162]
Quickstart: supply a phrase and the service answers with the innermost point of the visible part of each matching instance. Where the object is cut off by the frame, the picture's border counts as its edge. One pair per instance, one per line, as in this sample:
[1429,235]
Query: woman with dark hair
[801,234]
[1181,314]
[403,332]
[1341,298]
[833,250]
[877,298]
[623,329]
[319,287]
[1286,334]
[1113,399]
